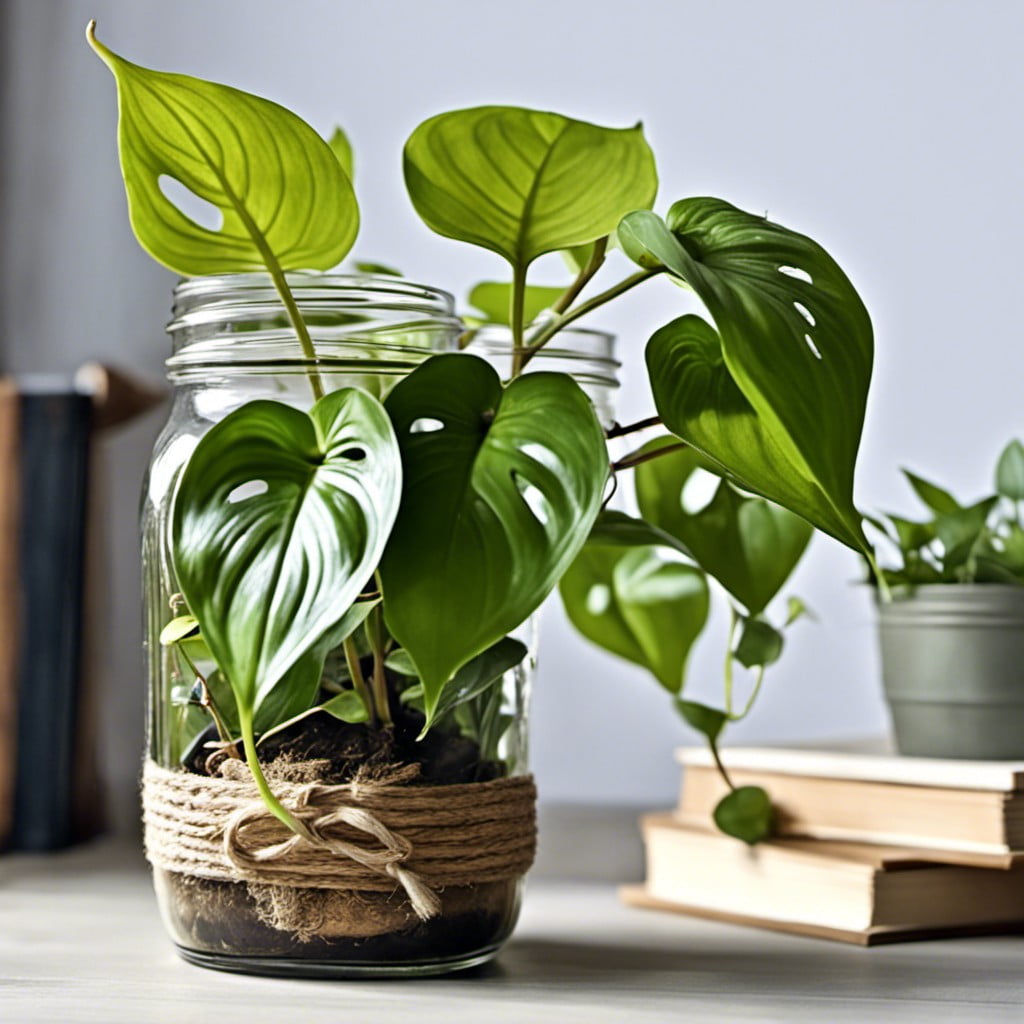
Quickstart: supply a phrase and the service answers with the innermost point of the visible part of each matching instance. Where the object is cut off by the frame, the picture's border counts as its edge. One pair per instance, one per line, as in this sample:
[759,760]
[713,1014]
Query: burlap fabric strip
[371,836]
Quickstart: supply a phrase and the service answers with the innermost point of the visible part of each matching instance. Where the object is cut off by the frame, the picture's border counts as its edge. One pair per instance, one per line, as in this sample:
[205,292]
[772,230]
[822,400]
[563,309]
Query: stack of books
[867,849]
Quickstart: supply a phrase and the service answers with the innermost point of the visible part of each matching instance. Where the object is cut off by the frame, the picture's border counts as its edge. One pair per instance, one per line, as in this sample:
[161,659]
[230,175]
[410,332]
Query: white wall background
[888,130]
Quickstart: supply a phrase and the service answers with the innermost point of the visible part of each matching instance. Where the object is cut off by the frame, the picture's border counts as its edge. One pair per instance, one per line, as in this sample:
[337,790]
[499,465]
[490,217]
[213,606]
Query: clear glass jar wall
[232,343]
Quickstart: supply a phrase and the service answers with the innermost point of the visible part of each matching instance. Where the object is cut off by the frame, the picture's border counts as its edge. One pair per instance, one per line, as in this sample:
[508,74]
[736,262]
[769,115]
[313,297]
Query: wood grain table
[80,940]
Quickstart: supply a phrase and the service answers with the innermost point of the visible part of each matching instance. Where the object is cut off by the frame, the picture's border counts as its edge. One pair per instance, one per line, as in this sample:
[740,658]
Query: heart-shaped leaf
[617,529]
[746,813]
[639,605]
[524,182]
[748,544]
[706,720]
[278,522]
[760,644]
[501,489]
[283,199]
[777,394]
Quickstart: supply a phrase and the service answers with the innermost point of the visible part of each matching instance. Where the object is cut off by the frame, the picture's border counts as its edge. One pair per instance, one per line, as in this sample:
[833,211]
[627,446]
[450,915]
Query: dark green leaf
[492,299]
[501,489]
[746,813]
[283,199]
[941,502]
[760,644]
[524,182]
[776,395]
[279,520]
[1010,472]
[748,544]
[616,529]
[709,721]
[635,603]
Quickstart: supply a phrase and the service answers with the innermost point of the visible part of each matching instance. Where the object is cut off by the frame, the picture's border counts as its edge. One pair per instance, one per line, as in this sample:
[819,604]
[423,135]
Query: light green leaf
[346,706]
[776,395]
[278,522]
[400,662]
[638,605]
[1010,472]
[178,629]
[501,488]
[492,299]
[284,200]
[748,544]
[524,182]
[577,257]
[760,644]
[797,609]
[746,813]
[341,147]
[940,502]
[377,269]
[706,720]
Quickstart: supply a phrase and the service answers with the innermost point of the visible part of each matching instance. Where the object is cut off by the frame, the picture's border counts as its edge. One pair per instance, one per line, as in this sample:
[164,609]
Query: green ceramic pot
[953,669]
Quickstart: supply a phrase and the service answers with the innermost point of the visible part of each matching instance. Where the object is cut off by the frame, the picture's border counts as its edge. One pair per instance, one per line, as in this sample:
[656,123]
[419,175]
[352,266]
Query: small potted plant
[952,638]
[349,522]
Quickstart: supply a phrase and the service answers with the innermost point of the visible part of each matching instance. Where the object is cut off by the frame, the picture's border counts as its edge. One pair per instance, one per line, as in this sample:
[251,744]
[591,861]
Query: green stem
[355,670]
[713,745]
[515,319]
[550,329]
[252,760]
[728,671]
[753,696]
[207,702]
[884,593]
[375,634]
[569,296]
[305,341]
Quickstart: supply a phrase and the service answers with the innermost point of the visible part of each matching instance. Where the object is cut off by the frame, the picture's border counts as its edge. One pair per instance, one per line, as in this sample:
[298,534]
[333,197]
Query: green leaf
[501,488]
[284,200]
[346,706]
[493,300]
[709,721]
[341,147]
[475,677]
[774,398]
[524,182]
[912,535]
[748,544]
[746,813]
[377,269]
[399,661]
[797,609]
[278,521]
[964,527]
[1010,472]
[577,257]
[940,502]
[179,629]
[617,529]
[638,605]
[760,644]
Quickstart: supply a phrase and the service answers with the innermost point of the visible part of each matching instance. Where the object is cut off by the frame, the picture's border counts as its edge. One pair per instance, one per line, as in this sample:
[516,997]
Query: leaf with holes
[524,182]
[279,520]
[284,200]
[639,605]
[776,395]
[749,545]
[501,489]
[493,300]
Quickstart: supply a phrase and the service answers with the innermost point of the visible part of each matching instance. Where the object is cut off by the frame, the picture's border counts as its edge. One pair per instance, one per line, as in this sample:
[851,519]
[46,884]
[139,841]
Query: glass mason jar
[233,343]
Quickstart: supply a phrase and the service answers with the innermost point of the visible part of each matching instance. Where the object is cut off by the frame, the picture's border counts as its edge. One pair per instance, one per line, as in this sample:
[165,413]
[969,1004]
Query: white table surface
[80,940]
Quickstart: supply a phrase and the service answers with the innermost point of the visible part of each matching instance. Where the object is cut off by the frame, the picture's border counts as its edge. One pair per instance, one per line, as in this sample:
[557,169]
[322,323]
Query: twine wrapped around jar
[366,836]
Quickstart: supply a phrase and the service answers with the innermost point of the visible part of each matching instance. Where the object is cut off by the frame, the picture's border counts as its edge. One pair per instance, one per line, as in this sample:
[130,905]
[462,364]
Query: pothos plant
[410,537]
